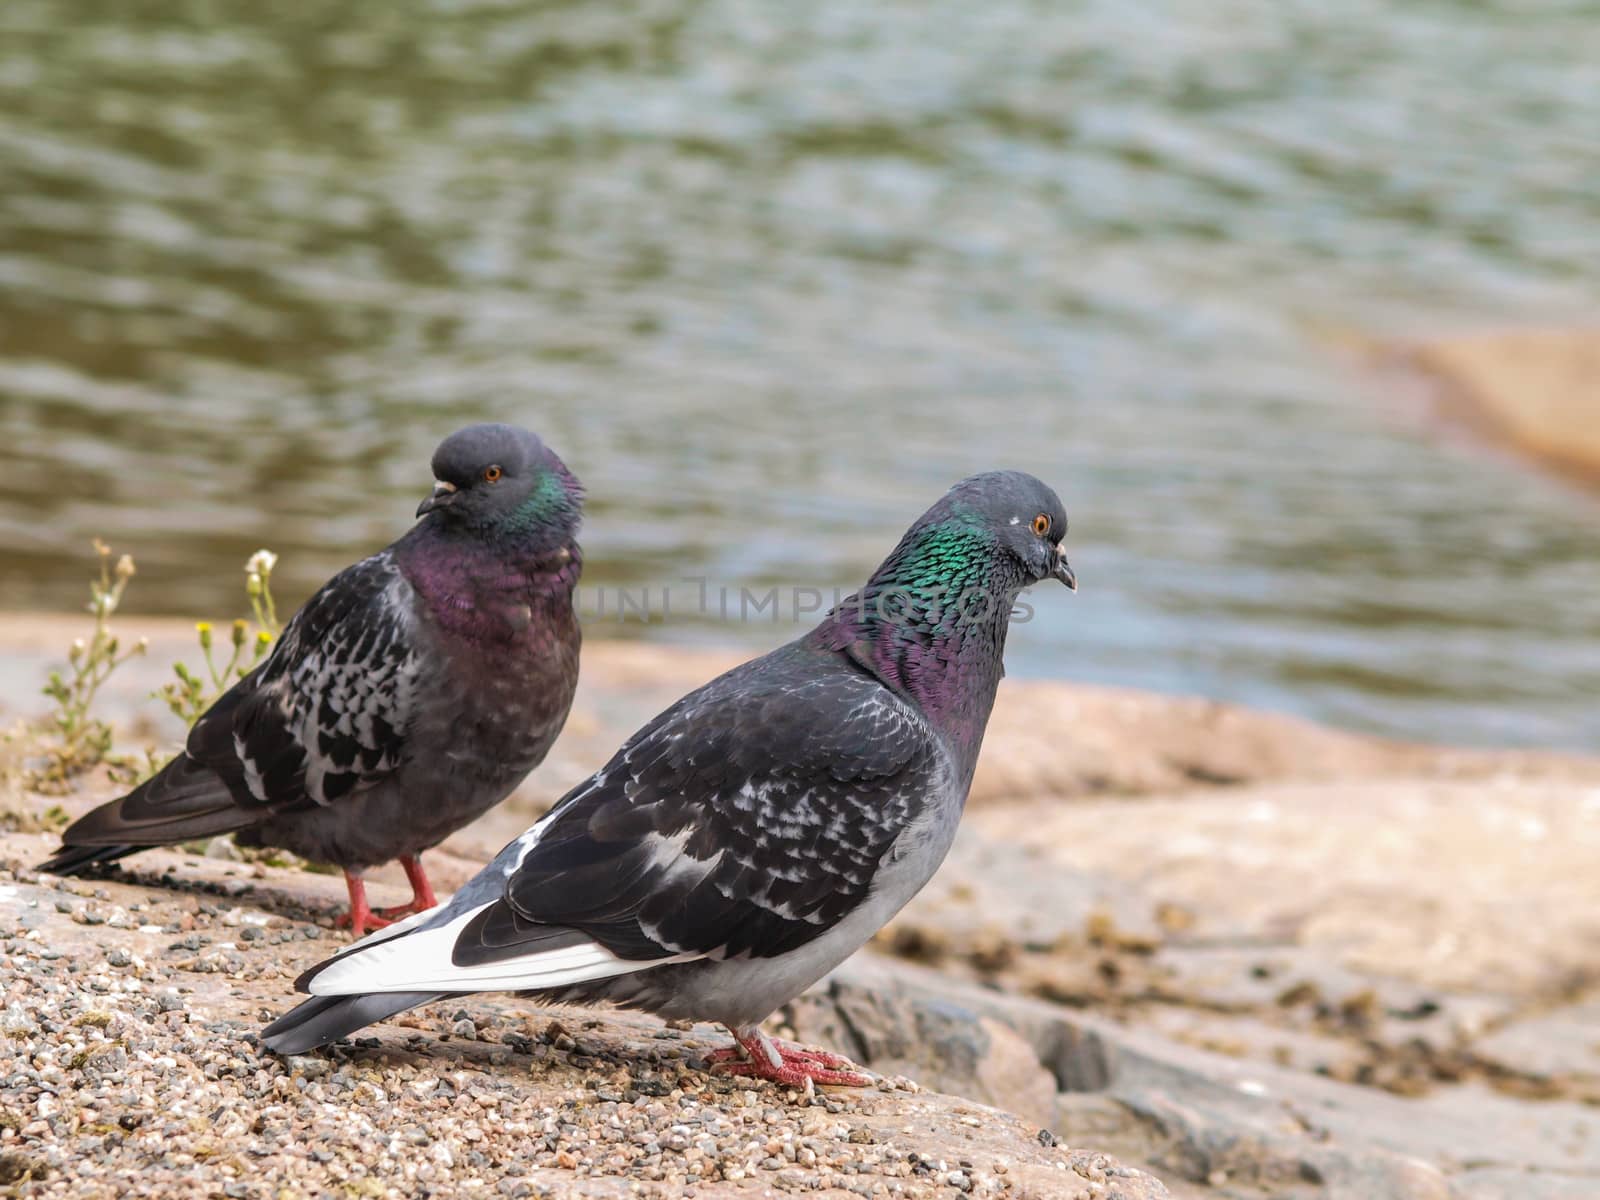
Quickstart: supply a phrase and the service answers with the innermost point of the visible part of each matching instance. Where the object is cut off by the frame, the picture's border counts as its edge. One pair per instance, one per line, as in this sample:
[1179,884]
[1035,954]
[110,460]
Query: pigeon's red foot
[759,1057]
[361,920]
[379,917]
[422,898]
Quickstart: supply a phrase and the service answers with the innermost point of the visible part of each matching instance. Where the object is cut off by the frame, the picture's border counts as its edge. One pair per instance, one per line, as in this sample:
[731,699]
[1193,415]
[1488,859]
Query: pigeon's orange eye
[492,474]
[1041,524]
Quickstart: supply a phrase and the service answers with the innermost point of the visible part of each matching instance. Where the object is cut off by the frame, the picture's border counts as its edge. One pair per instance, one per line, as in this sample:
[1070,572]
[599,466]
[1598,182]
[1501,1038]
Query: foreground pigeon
[755,834]
[413,692]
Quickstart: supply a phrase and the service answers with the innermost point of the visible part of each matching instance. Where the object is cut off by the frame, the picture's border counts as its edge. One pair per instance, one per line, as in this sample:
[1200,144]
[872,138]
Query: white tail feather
[420,962]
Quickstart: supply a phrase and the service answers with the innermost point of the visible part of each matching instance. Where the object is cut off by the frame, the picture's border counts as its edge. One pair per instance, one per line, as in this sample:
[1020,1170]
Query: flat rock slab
[1477,885]
[1209,1124]
[1538,389]
[1407,963]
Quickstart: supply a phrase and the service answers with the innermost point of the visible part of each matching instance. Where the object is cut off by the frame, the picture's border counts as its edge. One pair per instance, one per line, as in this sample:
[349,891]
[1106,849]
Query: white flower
[261,563]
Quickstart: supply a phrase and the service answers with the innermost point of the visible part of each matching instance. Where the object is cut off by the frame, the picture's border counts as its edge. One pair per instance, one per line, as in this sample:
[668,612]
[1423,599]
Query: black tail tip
[324,1019]
[70,859]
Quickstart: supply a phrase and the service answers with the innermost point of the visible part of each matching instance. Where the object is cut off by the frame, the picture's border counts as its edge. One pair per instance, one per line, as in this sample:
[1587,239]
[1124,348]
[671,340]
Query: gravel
[129,1067]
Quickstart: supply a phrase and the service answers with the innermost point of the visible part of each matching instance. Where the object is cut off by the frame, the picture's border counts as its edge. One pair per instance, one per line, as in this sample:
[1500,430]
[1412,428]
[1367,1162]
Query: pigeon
[411,694]
[756,833]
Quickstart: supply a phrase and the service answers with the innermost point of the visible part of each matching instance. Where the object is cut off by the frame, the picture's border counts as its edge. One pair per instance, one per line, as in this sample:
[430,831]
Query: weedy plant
[82,740]
[73,739]
[193,693]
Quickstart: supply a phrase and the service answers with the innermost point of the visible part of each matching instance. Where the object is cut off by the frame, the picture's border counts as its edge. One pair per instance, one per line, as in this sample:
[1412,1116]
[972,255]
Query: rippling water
[771,275]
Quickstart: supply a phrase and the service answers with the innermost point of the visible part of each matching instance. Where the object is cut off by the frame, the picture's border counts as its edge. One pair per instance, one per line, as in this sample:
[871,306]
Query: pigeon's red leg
[421,890]
[422,897]
[360,918]
[760,1057]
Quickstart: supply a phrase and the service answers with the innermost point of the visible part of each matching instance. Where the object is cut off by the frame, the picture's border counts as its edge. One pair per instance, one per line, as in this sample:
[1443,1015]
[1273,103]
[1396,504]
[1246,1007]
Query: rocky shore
[1243,955]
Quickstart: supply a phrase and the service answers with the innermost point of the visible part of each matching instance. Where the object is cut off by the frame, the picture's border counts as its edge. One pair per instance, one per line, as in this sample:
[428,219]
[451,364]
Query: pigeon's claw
[364,922]
[360,920]
[795,1073]
[756,1056]
[379,917]
[821,1058]
[788,1051]
[727,1054]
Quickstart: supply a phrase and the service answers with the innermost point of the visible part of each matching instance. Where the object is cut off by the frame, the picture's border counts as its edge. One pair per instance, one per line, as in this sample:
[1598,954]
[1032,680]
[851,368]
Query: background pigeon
[755,834]
[413,692]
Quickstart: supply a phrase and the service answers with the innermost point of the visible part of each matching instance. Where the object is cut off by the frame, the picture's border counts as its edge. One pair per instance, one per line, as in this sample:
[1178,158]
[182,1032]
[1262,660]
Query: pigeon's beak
[443,493]
[1062,570]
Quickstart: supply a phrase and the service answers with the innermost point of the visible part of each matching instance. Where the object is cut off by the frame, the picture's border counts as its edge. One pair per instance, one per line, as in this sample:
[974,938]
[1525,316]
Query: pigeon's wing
[745,820]
[328,712]
[325,715]
[748,823]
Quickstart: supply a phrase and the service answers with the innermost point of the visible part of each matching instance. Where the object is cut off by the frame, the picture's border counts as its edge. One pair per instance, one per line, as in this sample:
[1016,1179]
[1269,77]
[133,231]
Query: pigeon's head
[1024,520]
[499,479]
[931,621]
[967,557]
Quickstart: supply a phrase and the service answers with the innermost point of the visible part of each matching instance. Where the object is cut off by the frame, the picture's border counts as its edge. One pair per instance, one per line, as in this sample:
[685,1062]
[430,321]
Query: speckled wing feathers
[329,710]
[748,819]
[322,717]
